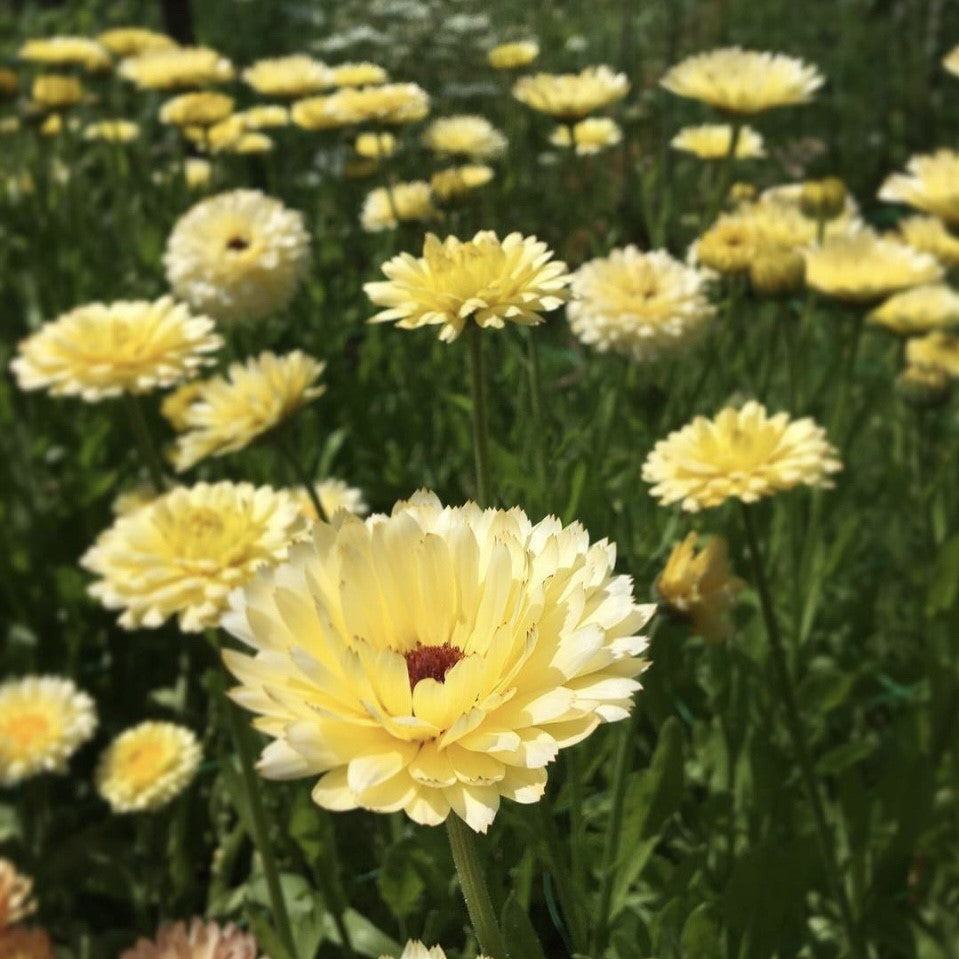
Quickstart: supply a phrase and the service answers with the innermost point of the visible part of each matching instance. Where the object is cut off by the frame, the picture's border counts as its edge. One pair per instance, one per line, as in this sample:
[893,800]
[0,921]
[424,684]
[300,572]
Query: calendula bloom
[930,235]
[199,940]
[220,136]
[182,554]
[265,117]
[102,350]
[147,766]
[639,304]
[780,219]
[512,56]
[487,279]
[21,942]
[16,901]
[66,51]
[197,172]
[391,103]
[951,61]
[238,255]
[414,949]
[700,586]
[246,143]
[334,495]
[358,74]
[861,267]
[460,180]
[711,141]
[294,76]
[44,720]
[776,270]
[386,207]
[9,83]
[490,644]
[743,454]
[227,413]
[54,91]
[177,67]
[112,131]
[52,126]
[373,146]
[129,41]
[728,246]
[571,96]
[197,109]
[930,184]
[919,310]
[590,135]
[937,350]
[743,81]
[466,135]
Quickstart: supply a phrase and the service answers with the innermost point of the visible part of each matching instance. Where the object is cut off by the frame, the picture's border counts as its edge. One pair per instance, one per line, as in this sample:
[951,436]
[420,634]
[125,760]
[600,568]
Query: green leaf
[519,932]
[701,937]
[399,881]
[848,754]
[944,581]
[367,939]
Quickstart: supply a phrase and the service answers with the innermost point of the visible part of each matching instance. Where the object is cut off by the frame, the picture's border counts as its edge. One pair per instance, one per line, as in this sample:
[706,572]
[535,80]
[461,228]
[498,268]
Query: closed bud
[742,192]
[823,199]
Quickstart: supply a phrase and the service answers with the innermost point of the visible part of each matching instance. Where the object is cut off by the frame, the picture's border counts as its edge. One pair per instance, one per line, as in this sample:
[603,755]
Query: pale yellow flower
[466,135]
[590,135]
[176,67]
[923,386]
[197,172]
[729,245]
[776,270]
[238,255]
[571,96]
[358,74]
[44,720]
[265,117]
[182,554]
[488,280]
[201,940]
[414,949]
[460,180]
[930,235]
[54,91]
[743,81]
[386,207]
[375,145]
[23,943]
[931,184]
[951,61]
[129,41]
[937,350]
[66,51]
[220,136]
[197,109]
[391,103]
[112,131]
[227,413]
[147,766]
[711,141]
[52,126]
[247,143]
[512,56]
[639,304]
[294,76]
[921,309]
[334,495]
[102,350]
[16,901]
[435,660]
[743,454]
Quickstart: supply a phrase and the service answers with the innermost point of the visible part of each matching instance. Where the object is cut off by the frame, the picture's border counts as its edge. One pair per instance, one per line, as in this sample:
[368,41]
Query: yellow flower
[743,81]
[15,895]
[228,412]
[639,304]
[147,766]
[466,135]
[293,76]
[130,500]
[238,255]
[919,310]
[44,720]
[53,91]
[487,279]
[938,351]
[129,41]
[176,67]
[711,142]
[700,586]
[741,453]
[9,83]
[512,56]
[386,207]
[460,180]
[246,143]
[571,96]
[823,199]
[929,234]
[182,554]
[102,350]
[358,74]
[861,267]
[23,943]
[776,270]
[951,61]
[491,644]
[391,103]
[334,495]
[375,145]
[112,131]
[265,117]
[201,940]
[414,949]
[199,109]
[931,184]
[728,246]
[591,135]
[197,172]
[66,51]
[52,126]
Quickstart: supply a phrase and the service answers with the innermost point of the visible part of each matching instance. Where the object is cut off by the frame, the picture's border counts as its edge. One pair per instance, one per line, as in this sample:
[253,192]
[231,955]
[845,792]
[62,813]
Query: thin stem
[725,172]
[536,404]
[475,891]
[141,433]
[333,903]
[794,726]
[302,476]
[480,425]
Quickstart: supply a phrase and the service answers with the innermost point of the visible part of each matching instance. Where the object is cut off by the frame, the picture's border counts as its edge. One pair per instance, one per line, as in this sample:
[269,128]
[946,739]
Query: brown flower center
[237,243]
[431,662]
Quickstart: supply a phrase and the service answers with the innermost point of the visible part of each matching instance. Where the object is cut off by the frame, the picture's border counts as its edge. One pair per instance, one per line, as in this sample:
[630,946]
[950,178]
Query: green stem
[333,902]
[480,425]
[794,726]
[475,891]
[536,404]
[725,173]
[570,898]
[302,476]
[141,433]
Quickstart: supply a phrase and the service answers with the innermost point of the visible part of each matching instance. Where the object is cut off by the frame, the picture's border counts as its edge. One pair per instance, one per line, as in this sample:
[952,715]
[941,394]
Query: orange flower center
[431,662]
[142,764]
[26,728]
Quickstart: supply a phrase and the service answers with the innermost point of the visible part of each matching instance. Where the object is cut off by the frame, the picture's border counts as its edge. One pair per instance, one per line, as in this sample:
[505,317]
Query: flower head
[102,350]
[182,554]
[512,56]
[919,310]
[66,51]
[199,940]
[487,279]
[571,96]
[238,255]
[129,41]
[931,184]
[112,131]
[742,453]
[373,146]
[930,235]
[590,135]
[436,659]
[467,135]
[199,109]
[638,304]
[43,721]
[358,74]
[23,943]
[197,172]
[297,75]
[54,91]
[386,207]
[227,413]
[16,901]
[711,142]
[937,351]
[264,117]
[390,103]
[743,81]
[729,245]
[334,495]
[457,181]
[176,67]
[147,766]
[951,61]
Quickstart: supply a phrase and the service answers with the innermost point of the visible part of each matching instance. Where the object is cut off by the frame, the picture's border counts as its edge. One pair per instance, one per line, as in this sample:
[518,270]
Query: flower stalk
[143,439]
[480,424]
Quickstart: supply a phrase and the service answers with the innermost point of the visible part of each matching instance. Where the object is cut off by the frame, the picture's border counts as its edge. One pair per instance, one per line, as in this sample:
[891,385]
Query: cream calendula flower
[930,184]
[571,96]
[112,131]
[930,235]
[43,721]
[951,61]
[147,766]
[247,143]
[182,554]
[199,109]
[711,141]
[266,116]
[466,135]
[728,246]
[375,145]
[743,454]
[640,304]
[176,67]
[486,279]
[334,495]
[700,586]
[743,81]
[861,267]
[52,126]
[227,413]
[358,74]
[66,51]
[54,91]
[129,41]
[294,76]
[391,103]
[459,180]
[512,56]
[435,660]
[102,350]
[386,207]
[16,901]
[23,943]
[919,310]
[199,940]
[590,135]
[238,255]
[197,172]
[937,350]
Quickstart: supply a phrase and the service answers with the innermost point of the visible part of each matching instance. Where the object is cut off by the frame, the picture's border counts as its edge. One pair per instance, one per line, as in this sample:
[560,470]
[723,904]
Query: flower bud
[823,199]
[923,386]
